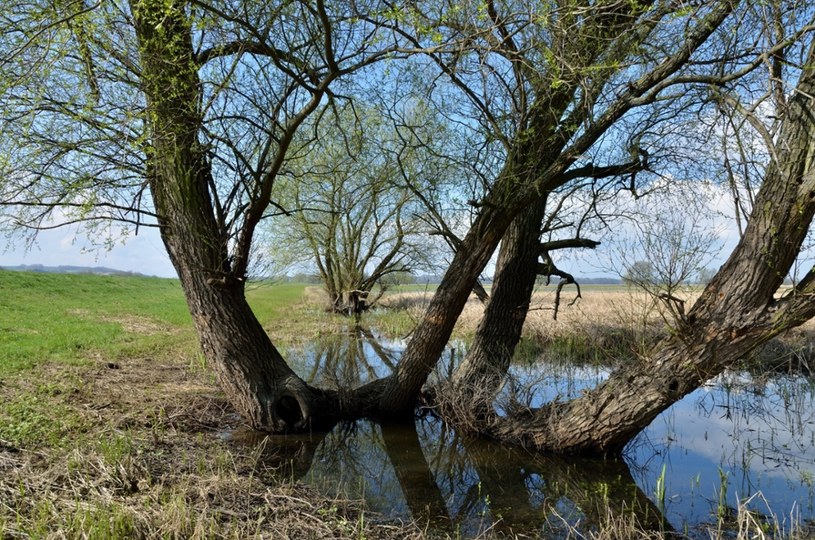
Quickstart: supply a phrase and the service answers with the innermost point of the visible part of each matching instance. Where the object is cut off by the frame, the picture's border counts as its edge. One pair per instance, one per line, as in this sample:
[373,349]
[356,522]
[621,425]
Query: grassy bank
[111,426]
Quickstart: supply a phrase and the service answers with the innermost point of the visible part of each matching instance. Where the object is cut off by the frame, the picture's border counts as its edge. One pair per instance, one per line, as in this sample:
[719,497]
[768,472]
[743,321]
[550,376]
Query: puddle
[739,437]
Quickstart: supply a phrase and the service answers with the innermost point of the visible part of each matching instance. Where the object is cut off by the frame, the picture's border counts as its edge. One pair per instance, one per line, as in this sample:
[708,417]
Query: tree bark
[487,361]
[434,330]
[250,370]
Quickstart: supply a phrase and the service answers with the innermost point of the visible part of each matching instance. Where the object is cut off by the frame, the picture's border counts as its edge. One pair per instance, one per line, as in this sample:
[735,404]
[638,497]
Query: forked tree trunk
[736,313]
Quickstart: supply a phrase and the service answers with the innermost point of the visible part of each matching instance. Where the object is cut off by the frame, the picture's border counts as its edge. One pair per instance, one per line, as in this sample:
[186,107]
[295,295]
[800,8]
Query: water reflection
[454,485]
[739,435]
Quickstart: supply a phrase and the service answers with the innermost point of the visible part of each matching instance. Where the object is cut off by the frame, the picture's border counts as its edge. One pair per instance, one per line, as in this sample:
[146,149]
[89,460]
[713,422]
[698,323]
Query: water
[739,437]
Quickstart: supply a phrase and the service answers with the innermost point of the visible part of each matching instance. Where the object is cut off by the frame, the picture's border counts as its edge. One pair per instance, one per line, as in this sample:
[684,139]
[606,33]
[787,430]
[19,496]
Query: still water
[741,437]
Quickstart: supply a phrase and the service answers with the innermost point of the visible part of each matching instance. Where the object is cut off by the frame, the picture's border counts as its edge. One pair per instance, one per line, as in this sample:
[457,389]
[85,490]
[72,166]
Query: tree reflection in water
[456,485]
[425,471]
[451,484]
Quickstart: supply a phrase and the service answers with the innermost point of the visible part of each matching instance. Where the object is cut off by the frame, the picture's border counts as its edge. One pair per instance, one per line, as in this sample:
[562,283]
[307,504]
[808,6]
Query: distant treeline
[429,279]
[67,269]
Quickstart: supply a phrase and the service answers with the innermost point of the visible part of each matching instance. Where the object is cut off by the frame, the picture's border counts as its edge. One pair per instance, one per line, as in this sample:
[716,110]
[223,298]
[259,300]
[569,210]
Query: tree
[737,312]
[496,333]
[640,272]
[178,114]
[349,213]
[190,115]
[560,82]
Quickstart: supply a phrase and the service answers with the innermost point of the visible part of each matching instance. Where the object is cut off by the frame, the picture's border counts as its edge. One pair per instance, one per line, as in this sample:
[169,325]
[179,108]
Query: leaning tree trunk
[736,313]
[399,395]
[250,370]
[487,360]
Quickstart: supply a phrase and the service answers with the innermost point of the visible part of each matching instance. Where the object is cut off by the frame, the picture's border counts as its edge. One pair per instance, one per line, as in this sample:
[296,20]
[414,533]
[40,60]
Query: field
[111,425]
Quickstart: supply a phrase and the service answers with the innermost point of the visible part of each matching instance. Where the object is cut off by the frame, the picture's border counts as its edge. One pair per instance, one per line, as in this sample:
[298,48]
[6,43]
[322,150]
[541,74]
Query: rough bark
[250,370]
[736,313]
[434,330]
[488,358]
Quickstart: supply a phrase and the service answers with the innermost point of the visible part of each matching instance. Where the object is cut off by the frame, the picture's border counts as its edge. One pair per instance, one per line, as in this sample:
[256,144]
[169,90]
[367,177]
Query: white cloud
[72,246]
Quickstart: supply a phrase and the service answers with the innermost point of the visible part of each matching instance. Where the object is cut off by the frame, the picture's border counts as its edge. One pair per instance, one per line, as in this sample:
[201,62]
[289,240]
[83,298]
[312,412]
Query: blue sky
[143,253]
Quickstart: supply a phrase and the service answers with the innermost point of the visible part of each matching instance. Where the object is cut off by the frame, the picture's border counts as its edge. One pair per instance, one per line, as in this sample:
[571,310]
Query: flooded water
[741,437]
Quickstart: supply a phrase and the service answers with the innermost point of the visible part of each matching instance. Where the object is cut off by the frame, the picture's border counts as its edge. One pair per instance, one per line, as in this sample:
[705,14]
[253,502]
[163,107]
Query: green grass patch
[275,301]
[33,420]
[66,317]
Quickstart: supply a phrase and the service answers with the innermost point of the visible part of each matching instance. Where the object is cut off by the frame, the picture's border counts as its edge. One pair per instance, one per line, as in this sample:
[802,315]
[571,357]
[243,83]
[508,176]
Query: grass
[69,318]
[111,425]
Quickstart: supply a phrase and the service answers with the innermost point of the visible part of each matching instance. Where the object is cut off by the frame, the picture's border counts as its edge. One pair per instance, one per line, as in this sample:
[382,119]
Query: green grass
[63,317]
[69,317]
[273,302]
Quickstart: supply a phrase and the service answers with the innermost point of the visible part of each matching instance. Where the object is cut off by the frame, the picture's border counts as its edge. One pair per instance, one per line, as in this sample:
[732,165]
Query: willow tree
[183,114]
[700,346]
[177,114]
[558,79]
[349,213]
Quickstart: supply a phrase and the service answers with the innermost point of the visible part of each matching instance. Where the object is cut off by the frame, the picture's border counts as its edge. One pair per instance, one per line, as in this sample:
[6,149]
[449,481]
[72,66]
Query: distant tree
[640,272]
[349,214]
[672,238]
[705,275]
[400,278]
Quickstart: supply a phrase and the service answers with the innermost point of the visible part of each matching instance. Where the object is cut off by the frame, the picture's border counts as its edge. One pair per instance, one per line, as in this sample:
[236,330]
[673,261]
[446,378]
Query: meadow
[111,425]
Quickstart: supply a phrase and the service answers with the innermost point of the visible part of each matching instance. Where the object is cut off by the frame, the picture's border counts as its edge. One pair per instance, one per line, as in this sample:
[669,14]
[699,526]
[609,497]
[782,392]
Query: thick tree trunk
[736,313]
[249,369]
[487,360]
[251,372]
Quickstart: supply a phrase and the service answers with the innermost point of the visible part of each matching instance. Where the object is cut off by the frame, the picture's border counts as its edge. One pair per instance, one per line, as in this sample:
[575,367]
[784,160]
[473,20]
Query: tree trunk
[736,313]
[483,369]
[434,330]
[250,370]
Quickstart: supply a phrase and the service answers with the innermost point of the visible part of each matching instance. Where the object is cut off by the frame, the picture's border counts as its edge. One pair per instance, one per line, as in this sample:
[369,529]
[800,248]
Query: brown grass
[134,447]
[607,321]
[145,458]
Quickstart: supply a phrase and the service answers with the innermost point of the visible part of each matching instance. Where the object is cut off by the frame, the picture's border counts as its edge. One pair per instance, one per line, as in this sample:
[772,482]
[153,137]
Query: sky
[70,246]
[144,253]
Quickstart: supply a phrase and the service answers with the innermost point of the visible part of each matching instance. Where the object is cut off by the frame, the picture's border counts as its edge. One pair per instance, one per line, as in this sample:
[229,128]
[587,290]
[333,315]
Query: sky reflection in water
[741,433]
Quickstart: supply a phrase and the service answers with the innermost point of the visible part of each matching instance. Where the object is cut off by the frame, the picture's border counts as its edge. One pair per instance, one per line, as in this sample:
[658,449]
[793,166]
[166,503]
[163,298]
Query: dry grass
[136,451]
[128,446]
[605,318]
[607,323]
